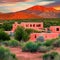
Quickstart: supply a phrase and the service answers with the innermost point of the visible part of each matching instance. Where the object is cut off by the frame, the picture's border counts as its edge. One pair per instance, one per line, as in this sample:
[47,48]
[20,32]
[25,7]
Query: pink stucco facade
[32,25]
[47,36]
[55,29]
[29,25]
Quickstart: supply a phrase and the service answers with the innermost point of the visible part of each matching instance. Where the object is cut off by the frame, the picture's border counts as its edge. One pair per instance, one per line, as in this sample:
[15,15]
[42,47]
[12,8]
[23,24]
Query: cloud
[7,4]
[7,1]
[45,2]
[14,7]
[19,8]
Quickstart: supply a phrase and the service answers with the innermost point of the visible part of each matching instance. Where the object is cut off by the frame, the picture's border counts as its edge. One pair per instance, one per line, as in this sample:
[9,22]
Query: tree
[21,34]
[7,26]
[29,31]
[0,25]
[4,36]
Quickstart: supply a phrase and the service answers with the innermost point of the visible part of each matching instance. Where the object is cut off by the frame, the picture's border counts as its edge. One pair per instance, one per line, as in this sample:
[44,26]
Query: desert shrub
[49,42]
[43,49]
[5,54]
[7,26]
[30,47]
[40,39]
[39,44]
[21,34]
[51,56]
[22,44]
[5,43]
[4,36]
[56,43]
[13,43]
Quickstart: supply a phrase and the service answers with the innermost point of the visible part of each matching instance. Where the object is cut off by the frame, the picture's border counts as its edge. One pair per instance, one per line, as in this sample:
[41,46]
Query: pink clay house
[55,30]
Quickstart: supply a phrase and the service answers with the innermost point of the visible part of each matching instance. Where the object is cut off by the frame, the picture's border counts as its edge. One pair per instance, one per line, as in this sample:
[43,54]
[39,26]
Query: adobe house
[55,29]
[29,25]
[46,36]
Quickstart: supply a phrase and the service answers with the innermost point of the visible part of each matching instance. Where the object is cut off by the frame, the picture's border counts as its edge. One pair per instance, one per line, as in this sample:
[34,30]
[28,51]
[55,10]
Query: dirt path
[29,56]
[26,56]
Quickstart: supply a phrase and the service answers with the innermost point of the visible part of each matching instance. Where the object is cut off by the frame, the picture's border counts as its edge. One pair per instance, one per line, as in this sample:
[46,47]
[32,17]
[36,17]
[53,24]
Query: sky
[7,6]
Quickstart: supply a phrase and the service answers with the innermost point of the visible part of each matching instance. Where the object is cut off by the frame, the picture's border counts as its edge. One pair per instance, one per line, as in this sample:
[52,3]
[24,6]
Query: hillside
[44,11]
[17,15]
[32,13]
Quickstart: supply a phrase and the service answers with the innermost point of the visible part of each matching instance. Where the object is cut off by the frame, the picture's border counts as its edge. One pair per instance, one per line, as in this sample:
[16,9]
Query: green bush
[49,42]
[5,43]
[21,44]
[7,26]
[51,56]
[1,26]
[29,31]
[4,36]
[56,43]
[21,34]
[5,54]
[30,47]
[43,49]
[13,43]
[39,44]
[40,39]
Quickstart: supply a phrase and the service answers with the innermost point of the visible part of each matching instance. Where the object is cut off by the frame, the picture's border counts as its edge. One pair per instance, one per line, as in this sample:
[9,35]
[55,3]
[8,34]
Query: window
[30,25]
[27,25]
[33,25]
[57,29]
[35,36]
[38,25]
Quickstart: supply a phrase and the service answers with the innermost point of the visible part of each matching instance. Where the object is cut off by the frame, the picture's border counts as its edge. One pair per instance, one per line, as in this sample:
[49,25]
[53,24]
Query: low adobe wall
[46,36]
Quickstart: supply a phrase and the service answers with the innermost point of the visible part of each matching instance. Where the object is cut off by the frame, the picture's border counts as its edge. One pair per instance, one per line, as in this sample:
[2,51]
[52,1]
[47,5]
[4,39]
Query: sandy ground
[27,55]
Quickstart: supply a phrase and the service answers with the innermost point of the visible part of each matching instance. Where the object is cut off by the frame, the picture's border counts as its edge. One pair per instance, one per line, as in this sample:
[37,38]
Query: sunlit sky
[7,6]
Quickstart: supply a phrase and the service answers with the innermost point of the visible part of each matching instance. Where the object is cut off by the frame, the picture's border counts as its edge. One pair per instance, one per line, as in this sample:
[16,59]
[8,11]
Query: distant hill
[44,11]
[17,15]
[33,12]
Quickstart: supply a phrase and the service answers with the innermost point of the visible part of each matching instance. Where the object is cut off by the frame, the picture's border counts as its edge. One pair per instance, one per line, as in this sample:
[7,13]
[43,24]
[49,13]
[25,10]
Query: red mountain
[45,12]
[33,12]
[17,15]
[41,8]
